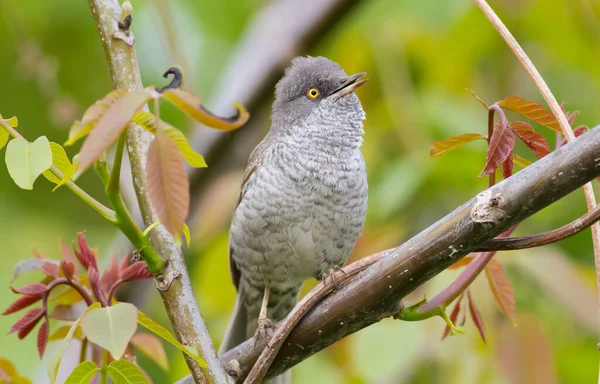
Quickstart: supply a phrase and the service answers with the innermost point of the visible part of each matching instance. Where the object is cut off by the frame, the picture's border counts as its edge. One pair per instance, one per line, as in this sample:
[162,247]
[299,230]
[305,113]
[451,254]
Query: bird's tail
[244,321]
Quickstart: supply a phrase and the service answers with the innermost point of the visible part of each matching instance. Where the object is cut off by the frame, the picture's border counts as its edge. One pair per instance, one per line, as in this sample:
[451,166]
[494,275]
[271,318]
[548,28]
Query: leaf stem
[83,350]
[104,211]
[115,176]
[103,377]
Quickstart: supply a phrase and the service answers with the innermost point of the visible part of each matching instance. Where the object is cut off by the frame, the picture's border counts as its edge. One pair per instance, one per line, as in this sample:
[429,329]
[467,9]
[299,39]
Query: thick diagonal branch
[174,283]
[376,292]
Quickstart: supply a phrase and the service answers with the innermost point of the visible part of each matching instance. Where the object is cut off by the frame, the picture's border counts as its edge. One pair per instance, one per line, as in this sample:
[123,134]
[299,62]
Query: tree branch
[394,273]
[173,283]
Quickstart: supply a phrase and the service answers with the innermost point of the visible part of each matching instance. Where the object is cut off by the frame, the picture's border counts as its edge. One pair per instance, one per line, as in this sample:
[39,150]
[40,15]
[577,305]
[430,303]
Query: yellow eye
[313,93]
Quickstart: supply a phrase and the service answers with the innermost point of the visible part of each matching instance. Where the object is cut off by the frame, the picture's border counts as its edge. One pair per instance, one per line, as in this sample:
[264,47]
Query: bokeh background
[420,55]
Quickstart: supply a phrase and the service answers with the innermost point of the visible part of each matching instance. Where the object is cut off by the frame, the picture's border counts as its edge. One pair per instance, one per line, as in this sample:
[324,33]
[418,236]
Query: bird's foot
[331,276]
[264,331]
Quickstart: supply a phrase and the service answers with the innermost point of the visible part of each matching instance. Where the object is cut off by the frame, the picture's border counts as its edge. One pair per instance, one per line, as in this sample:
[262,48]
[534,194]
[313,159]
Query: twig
[177,293]
[284,328]
[556,110]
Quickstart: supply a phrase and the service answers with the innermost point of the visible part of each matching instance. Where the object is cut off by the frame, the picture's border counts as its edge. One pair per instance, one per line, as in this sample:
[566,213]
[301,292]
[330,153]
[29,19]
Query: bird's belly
[299,229]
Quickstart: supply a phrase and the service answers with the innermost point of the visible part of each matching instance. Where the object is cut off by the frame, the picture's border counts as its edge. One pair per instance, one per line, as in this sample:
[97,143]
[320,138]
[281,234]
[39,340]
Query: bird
[303,199]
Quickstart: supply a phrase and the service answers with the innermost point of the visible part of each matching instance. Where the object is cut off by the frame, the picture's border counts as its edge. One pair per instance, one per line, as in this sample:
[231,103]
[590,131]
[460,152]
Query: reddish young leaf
[136,271]
[500,147]
[168,184]
[502,289]
[570,116]
[476,316]
[42,338]
[51,270]
[93,278]
[68,256]
[507,167]
[124,263]
[535,141]
[439,147]
[68,268]
[110,275]
[23,302]
[577,132]
[531,110]
[28,321]
[109,127]
[31,289]
[454,315]
[85,256]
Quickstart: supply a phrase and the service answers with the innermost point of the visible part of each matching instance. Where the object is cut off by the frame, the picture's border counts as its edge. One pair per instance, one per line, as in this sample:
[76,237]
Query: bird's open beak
[350,84]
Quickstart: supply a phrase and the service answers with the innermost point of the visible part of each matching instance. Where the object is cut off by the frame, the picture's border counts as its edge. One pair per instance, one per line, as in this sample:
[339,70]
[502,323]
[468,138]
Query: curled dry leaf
[500,147]
[502,290]
[531,110]
[168,184]
[109,126]
[191,105]
[535,141]
[439,147]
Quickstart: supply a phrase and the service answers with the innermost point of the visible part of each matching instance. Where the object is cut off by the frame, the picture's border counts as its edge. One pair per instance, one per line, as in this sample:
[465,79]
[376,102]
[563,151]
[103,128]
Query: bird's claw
[264,331]
[331,276]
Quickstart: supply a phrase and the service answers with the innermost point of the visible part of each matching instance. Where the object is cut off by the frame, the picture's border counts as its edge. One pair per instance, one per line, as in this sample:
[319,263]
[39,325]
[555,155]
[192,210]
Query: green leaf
[83,373]
[111,327]
[54,361]
[125,372]
[13,122]
[161,331]
[26,161]
[186,234]
[152,347]
[148,122]
[439,147]
[62,162]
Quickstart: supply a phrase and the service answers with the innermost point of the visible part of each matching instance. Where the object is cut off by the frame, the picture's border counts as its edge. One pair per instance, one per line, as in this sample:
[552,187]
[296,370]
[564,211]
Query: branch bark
[173,283]
[377,291]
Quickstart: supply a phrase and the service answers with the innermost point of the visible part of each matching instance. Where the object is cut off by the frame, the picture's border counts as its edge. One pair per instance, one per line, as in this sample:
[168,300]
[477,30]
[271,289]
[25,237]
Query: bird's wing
[254,162]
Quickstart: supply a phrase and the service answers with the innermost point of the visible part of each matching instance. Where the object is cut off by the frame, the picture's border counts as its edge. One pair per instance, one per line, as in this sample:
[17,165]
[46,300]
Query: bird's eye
[313,93]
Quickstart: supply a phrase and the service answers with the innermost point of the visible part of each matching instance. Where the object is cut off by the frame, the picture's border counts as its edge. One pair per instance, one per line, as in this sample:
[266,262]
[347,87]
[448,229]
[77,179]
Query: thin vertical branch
[173,282]
[558,113]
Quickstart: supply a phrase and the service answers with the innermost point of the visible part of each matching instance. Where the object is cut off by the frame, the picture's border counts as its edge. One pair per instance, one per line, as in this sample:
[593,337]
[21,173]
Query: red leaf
[95,284]
[570,116]
[27,322]
[124,263]
[85,256]
[68,256]
[42,338]
[531,110]
[535,141]
[68,268]
[51,270]
[577,132]
[453,315]
[500,147]
[502,289]
[507,167]
[110,275]
[476,316]
[31,289]
[136,271]
[23,302]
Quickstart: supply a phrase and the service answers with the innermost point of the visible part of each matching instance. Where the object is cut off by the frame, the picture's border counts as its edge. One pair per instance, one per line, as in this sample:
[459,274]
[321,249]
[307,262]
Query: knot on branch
[488,208]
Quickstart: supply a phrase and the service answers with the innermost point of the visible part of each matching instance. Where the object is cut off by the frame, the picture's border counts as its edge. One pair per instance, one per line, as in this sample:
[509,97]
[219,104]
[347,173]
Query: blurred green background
[420,56]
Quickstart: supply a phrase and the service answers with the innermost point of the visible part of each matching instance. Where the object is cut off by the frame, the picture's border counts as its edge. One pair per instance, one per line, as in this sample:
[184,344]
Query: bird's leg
[331,276]
[265,325]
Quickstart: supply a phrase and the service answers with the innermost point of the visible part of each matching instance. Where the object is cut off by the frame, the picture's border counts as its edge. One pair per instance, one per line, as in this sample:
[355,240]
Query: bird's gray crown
[296,99]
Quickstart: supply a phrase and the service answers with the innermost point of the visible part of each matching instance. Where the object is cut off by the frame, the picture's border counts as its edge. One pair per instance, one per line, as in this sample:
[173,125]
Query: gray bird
[303,198]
